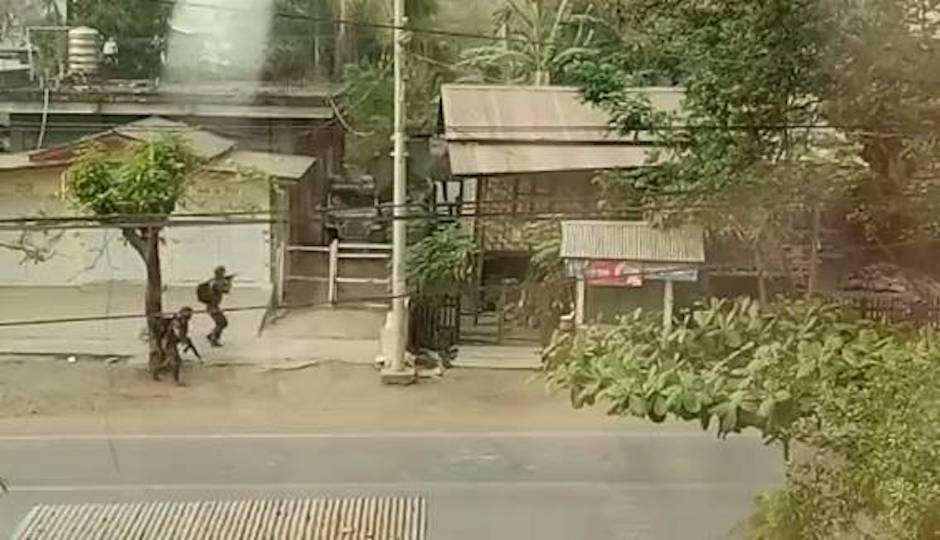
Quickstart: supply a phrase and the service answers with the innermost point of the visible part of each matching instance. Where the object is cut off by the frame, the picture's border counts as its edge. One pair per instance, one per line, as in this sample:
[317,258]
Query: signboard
[608,273]
[605,273]
[670,273]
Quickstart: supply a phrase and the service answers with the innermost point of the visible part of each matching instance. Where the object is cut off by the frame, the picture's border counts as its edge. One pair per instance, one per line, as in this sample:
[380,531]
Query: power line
[647,273]
[618,137]
[522,209]
[137,316]
[362,24]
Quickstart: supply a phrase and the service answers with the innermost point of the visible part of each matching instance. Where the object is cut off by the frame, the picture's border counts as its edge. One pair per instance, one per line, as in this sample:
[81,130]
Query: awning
[632,241]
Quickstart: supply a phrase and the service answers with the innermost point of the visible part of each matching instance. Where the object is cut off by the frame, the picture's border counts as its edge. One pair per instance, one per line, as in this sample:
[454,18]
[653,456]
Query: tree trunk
[147,244]
[339,44]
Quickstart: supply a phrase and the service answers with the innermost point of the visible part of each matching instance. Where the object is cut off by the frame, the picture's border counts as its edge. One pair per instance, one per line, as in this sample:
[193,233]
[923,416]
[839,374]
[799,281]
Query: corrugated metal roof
[631,241]
[374,518]
[469,159]
[285,166]
[536,113]
[205,144]
[527,129]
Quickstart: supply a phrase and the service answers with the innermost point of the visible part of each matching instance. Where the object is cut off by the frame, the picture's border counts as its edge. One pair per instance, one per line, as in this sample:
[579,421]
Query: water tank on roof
[84,51]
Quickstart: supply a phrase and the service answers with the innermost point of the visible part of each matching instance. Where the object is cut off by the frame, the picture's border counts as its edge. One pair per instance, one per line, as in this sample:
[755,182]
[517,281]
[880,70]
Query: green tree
[15,15]
[308,41]
[139,26]
[884,95]
[858,400]
[136,190]
[759,76]
[540,39]
[752,73]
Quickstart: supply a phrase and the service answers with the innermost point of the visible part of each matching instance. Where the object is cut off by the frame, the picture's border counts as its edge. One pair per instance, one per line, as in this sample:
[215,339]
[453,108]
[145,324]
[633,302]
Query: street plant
[136,190]
[853,404]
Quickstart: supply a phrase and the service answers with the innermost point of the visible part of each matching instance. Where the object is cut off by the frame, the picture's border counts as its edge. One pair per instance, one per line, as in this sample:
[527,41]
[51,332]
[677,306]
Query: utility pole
[395,354]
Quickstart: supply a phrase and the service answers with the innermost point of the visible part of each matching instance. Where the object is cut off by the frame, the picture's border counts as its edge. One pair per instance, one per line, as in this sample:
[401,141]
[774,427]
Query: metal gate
[514,312]
[434,322]
[340,273]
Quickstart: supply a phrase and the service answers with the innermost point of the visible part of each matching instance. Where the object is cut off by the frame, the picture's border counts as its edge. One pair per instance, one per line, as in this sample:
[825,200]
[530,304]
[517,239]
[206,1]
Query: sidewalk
[309,335]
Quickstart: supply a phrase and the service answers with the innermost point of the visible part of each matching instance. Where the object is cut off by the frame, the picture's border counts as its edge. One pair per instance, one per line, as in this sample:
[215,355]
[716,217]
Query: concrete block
[399,378]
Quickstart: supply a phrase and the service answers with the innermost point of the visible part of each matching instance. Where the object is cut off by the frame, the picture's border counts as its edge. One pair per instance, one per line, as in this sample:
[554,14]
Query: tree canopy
[858,400]
[537,41]
[136,189]
[142,180]
[139,26]
[788,104]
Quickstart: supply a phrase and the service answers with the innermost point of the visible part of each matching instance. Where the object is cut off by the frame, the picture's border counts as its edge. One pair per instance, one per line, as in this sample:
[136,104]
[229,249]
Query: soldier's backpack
[204,292]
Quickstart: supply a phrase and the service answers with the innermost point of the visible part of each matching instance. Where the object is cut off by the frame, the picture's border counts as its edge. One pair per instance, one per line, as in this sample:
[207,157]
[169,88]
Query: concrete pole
[400,226]
[579,302]
[668,305]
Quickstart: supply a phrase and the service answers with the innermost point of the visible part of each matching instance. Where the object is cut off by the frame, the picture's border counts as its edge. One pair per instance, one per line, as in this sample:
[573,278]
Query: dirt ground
[49,395]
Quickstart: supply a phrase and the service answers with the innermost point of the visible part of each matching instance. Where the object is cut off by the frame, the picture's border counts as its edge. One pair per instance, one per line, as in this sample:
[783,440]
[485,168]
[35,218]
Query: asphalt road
[514,486]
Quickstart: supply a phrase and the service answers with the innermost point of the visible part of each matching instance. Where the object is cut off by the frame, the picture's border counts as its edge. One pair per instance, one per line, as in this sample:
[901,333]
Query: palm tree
[537,43]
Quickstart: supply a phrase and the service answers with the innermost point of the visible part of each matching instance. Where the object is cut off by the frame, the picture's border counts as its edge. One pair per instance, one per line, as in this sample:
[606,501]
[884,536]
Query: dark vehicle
[354,213]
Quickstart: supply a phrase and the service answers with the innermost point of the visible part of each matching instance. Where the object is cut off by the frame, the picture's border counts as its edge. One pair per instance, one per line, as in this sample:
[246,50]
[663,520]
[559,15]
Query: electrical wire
[462,130]
[138,316]
[648,273]
[571,207]
[361,24]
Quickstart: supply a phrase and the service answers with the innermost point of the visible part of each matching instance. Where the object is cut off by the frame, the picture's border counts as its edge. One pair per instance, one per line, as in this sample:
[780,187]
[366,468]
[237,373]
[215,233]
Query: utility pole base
[399,378]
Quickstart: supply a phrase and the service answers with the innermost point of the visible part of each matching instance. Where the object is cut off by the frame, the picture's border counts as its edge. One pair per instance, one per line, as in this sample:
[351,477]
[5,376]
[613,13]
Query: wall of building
[80,257]
[606,304]
[323,139]
[510,206]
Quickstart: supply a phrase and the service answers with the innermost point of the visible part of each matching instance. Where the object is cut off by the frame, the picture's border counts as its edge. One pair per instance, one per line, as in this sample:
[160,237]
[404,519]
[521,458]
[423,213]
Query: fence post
[334,271]
[501,313]
[282,261]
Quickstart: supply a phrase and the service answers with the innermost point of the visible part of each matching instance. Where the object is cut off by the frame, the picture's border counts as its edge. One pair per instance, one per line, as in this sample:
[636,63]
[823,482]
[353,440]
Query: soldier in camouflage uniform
[175,333]
[211,293]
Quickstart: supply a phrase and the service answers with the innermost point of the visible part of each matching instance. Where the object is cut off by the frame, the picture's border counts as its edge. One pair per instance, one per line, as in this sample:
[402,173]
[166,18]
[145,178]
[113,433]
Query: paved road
[494,486]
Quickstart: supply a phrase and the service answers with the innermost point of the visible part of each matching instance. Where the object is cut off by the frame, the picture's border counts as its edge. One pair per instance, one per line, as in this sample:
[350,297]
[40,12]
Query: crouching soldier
[174,334]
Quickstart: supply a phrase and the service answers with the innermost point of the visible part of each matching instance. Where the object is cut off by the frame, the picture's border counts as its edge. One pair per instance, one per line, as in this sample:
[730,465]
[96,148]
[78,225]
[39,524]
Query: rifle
[190,346]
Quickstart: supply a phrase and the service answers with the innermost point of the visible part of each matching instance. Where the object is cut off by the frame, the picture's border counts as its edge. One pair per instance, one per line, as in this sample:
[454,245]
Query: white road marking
[693,435]
[398,486]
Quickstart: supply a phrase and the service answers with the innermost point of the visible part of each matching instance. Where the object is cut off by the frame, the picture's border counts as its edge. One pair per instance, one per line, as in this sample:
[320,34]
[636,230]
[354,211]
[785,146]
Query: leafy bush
[440,260]
[147,179]
[862,398]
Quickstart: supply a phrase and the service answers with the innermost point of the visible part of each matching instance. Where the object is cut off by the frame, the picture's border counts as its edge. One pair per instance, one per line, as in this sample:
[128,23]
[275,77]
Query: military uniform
[217,288]
[174,332]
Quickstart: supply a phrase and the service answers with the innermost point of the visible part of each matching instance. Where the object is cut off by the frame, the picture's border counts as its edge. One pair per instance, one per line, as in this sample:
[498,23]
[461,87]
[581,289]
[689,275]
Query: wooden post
[334,271]
[812,282]
[282,273]
[581,294]
[668,305]
[501,313]
[283,239]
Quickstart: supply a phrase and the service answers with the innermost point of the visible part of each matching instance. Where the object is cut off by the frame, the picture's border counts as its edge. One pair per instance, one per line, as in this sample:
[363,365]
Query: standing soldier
[175,332]
[210,293]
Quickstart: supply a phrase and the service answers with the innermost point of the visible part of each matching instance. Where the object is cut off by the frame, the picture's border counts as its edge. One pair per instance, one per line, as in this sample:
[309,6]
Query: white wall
[188,257]
[82,257]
